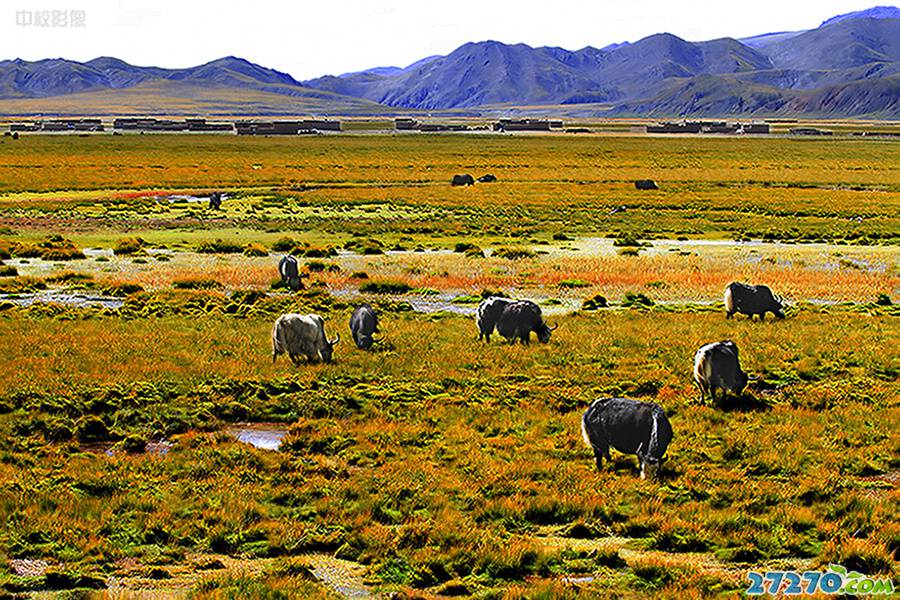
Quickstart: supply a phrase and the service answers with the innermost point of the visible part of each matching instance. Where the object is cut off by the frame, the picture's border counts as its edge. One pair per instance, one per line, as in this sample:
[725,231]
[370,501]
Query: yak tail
[584,431]
[701,367]
[277,345]
[585,426]
[729,300]
[653,445]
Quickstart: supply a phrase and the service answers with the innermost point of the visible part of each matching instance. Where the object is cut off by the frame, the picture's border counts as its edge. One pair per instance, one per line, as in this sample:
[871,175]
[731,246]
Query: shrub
[561,237]
[120,290]
[127,246]
[629,251]
[636,300]
[91,429]
[318,252]
[22,284]
[68,277]
[573,283]
[196,283]
[54,248]
[595,302]
[23,250]
[368,246]
[864,555]
[464,247]
[514,252]
[359,275]
[284,244]
[385,287]
[5,252]
[219,246]
[8,271]
[132,443]
[475,253]
[883,300]
[315,266]
[626,241]
[255,250]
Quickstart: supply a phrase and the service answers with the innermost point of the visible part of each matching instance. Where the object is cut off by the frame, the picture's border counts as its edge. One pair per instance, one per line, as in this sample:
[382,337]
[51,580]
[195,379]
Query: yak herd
[629,426]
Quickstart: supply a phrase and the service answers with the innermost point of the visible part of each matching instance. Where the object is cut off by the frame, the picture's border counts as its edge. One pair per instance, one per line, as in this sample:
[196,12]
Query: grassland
[441,465]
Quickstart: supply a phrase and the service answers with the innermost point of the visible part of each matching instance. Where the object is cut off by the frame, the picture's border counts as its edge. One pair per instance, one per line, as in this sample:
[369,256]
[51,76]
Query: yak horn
[335,340]
[638,451]
[554,328]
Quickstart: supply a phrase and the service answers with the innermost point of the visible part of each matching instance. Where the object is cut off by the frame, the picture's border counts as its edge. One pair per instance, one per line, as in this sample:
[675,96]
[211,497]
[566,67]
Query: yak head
[779,307]
[649,464]
[364,341]
[543,332]
[328,349]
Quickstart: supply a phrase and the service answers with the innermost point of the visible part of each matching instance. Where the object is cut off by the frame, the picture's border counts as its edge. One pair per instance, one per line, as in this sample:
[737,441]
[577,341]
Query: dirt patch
[343,576]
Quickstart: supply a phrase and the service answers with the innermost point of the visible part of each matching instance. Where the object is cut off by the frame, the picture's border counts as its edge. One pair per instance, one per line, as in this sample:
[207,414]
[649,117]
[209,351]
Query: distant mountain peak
[876,12]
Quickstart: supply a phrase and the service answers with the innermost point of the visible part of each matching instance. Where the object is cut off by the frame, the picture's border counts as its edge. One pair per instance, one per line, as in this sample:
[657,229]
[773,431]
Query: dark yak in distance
[520,318]
[629,426]
[459,180]
[363,326]
[487,178]
[752,300]
[289,270]
[646,184]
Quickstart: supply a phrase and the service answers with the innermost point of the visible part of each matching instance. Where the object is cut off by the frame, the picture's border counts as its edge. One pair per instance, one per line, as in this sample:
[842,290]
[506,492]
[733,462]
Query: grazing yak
[289,270]
[462,180]
[297,335]
[520,318]
[215,201]
[363,326]
[646,184]
[752,300]
[716,365]
[488,315]
[487,178]
[629,426]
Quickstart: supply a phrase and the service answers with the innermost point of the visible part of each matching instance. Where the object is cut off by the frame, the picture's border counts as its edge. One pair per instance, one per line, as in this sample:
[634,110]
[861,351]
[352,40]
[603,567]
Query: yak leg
[600,454]
[729,314]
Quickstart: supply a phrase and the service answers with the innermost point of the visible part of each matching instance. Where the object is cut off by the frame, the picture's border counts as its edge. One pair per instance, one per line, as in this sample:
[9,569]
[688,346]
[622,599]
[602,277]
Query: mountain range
[848,66]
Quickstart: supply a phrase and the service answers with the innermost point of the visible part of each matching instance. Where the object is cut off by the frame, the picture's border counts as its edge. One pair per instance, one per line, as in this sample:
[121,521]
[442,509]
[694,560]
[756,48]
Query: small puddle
[266,436]
[67,298]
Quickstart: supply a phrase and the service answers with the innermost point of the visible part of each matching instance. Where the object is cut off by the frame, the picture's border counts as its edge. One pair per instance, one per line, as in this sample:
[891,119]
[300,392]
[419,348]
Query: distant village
[400,124]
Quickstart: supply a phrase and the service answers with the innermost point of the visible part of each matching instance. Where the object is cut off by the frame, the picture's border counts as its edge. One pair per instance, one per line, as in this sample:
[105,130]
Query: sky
[309,39]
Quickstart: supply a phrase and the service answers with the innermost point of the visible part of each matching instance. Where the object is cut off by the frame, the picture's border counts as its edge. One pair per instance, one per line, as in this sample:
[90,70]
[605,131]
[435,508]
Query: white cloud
[308,39]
